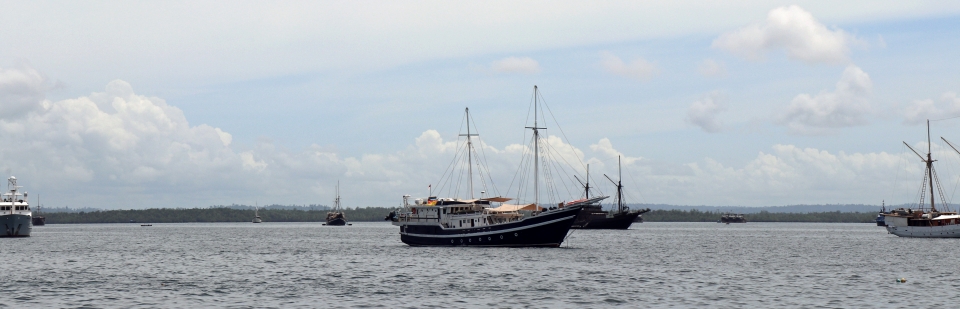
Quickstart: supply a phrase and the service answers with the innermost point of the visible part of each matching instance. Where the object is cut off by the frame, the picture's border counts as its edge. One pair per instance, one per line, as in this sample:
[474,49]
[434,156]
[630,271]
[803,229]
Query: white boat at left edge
[15,216]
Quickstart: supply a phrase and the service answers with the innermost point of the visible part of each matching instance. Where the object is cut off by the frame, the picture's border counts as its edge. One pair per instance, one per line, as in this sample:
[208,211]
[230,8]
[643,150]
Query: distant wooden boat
[593,217]
[732,218]
[336,217]
[37,218]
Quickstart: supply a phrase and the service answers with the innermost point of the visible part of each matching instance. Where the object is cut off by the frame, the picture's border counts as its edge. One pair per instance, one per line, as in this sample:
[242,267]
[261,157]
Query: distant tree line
[695,215]
[227,214]
[213,214]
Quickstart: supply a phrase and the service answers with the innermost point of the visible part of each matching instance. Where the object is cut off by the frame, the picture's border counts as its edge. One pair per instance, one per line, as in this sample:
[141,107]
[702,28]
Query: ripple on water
[304,265]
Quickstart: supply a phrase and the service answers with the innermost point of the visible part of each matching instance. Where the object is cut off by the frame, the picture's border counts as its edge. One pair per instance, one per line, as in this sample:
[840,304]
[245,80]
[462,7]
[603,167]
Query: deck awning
[947,217]
[511,208]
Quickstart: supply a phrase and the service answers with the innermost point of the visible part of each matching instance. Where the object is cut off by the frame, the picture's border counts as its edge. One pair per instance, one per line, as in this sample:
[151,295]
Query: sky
[752,103]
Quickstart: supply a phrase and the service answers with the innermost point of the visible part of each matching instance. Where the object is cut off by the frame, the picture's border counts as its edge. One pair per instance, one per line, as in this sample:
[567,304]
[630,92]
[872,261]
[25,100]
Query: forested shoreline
[223,214]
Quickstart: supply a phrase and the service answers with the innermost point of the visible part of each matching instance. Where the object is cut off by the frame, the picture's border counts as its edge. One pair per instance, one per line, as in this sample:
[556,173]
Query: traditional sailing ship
[925,221]
[336,217]
[476,222]
[15,215]
[37,218]
[592,216]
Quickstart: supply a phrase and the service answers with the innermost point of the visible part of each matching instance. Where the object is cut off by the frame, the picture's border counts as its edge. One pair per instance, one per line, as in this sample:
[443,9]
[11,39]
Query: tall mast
[933,208]
[536,149]
[587,186]
[337,200]
[469,153]
[619,186]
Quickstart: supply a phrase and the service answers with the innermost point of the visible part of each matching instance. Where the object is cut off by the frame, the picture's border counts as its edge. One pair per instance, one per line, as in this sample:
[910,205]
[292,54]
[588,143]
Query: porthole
[488,238]
[501,236]
[451,241]
[515,234]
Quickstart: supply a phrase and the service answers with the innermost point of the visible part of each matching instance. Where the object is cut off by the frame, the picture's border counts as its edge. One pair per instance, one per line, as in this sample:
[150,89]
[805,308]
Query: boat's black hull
[545,230]
[591,220]
[39,221]
[337,222]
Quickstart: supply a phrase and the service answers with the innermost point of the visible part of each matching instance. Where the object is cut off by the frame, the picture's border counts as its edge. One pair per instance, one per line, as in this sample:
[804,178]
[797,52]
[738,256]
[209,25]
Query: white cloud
[712,68]
[21,91]
[920,110]
[846,106]
[703,113]
[524,65]
[796,31]
[118,148]
[639,68]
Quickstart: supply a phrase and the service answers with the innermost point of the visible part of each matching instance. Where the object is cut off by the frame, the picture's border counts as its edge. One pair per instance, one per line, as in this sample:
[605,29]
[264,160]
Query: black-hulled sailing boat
[336,217]
[37,218]
[593,216]
[475,222]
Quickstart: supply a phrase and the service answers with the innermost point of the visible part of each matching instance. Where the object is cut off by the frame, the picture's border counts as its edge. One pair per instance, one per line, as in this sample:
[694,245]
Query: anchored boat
[924,221]
[592,216]
[15,215]
[488,222]
[336,217]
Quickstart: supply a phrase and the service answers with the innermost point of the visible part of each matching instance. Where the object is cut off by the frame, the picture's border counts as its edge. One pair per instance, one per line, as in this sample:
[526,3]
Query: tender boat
[487,221]
[16,219]
[924,221]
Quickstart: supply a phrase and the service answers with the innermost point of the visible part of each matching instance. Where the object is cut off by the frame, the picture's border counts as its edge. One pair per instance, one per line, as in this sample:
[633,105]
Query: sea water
[307,265]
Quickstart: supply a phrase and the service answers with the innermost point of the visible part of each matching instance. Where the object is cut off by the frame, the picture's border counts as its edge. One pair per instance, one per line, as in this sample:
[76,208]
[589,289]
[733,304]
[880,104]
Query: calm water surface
[290,265]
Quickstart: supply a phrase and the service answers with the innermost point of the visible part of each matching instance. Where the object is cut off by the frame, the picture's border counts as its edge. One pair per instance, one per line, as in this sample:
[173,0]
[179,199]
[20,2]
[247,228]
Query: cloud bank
[794,30]
[121,149]
[846,106]
[918,111]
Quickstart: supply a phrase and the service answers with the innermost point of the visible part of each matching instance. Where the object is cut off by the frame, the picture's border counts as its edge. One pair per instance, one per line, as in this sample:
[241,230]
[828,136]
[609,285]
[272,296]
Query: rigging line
[943,199]
[441,183]
[896,181]
[582,165]
[450,181]
[948,118]
[565,160]
[636,184]
[923,188]
[523,157]
[559,167]
[485,163]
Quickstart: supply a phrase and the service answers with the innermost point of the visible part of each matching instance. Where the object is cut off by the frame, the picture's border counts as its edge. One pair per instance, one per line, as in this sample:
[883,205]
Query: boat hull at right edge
[946,231]
[600,221]
[548,229]
[16,225]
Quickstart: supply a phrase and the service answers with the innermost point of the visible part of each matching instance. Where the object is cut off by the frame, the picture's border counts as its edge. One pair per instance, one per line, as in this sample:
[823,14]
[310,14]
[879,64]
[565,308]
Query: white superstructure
[16,218]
